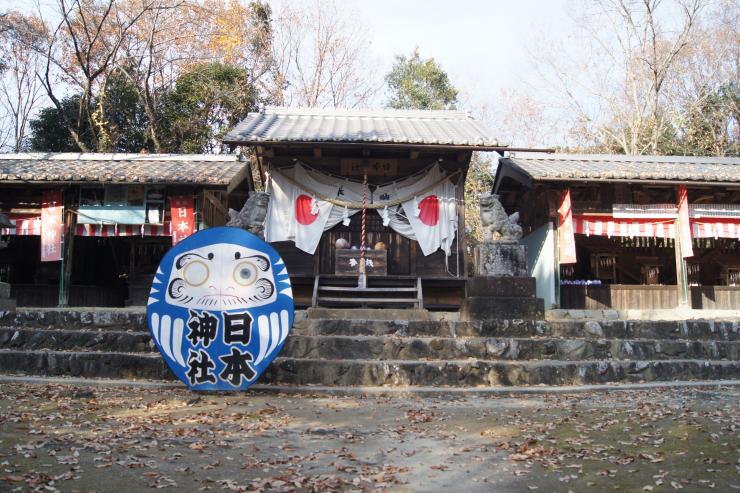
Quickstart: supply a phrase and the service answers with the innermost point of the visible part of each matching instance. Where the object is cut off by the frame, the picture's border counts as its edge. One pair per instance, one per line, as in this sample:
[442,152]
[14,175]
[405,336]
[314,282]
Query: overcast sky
[481,44]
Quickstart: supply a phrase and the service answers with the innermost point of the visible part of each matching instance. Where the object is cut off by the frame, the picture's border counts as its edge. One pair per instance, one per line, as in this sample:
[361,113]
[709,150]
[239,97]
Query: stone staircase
[394,348]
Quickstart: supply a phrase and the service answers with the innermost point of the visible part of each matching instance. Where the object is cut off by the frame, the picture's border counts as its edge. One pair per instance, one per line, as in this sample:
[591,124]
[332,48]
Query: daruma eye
[245,273]
[195,273]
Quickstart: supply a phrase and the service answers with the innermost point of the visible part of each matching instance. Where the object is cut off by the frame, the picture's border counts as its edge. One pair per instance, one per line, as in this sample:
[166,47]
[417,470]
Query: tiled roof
[192,169]
[595,167]
[417,127]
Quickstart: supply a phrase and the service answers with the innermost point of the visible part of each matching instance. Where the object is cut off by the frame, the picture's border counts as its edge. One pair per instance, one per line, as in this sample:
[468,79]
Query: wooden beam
[414,155]
[68,243]
[317,152]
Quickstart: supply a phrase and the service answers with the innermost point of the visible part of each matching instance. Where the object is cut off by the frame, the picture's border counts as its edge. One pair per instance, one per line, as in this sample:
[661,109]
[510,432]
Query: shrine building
[396,175]
[628,232]
[90,229]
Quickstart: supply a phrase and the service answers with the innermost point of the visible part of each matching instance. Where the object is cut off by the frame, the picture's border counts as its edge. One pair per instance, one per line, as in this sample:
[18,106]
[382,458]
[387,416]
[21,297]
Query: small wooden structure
[627,230]
[387,145]
[116,220]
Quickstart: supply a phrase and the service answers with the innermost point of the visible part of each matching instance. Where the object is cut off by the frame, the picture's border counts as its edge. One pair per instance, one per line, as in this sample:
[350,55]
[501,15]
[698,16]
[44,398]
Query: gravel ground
[76,437]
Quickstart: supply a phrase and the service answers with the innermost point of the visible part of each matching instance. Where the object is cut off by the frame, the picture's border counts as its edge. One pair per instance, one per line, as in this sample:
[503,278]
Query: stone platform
[380,351]
[501,298]
[500,260]
[6,302]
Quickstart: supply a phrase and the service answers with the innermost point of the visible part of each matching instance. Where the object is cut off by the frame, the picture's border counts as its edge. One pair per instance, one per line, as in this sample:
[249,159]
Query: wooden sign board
[375,167]
[347,262]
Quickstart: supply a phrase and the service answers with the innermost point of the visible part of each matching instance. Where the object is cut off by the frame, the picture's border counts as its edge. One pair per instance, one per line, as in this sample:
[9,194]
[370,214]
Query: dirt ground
[118,439]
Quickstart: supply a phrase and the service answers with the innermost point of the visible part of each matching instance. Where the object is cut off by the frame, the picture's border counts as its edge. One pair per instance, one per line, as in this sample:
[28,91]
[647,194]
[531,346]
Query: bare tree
[20,90]
[321,58]
[705,88]
[80,47]
[615,80]
[175,36]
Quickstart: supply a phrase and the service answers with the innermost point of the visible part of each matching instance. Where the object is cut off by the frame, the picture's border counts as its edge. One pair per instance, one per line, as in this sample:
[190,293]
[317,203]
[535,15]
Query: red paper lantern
[303,210]
[429,210]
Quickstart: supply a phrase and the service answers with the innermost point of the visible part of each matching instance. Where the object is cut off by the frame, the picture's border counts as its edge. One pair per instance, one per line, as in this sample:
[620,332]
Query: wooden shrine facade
[117,220]
[388,145]
[627,227]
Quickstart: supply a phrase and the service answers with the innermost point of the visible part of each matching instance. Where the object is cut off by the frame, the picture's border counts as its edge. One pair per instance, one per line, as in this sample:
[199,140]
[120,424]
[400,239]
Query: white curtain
[432,223]
[296,214]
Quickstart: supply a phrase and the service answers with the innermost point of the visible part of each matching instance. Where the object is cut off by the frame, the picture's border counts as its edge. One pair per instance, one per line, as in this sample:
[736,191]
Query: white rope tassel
[314,206]
[345,216]
[386,216]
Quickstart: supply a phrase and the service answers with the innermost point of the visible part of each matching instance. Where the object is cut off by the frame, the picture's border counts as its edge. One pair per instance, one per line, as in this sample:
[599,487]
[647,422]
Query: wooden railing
[640,297]
[215,211]
[715,297]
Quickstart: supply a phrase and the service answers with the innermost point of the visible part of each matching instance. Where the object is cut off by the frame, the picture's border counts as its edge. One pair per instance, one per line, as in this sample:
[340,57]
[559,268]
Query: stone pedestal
[500,260]
[502,298]
[7,304]
[500,288]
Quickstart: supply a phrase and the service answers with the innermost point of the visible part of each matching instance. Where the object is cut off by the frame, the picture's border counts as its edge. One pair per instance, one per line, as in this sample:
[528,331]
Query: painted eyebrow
[181,260]
[262,261]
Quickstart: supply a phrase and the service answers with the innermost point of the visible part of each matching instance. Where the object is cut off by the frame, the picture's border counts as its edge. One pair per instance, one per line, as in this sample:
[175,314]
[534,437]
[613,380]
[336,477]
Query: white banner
[430,217]
[296,214]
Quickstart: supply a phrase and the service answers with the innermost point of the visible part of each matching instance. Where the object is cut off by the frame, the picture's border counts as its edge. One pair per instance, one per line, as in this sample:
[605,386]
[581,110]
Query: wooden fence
[715,297]
[638,297]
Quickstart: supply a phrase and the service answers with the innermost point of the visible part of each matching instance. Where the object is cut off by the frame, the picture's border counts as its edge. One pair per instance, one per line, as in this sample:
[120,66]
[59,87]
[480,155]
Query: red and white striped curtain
[609,226]
[111,230]
[654,228]
[709,227]
[30,226]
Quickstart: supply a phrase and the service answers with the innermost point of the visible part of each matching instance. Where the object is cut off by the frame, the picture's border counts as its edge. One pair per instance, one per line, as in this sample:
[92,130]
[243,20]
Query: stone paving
[85,436]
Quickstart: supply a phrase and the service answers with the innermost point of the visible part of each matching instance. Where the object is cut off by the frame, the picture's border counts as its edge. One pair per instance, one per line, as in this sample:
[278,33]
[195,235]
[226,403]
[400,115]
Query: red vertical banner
[566,236]
[687,250]
[182,210]
[52,225]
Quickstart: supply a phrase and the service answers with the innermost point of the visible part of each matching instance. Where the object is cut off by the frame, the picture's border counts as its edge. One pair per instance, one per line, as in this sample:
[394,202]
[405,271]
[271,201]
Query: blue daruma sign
[220,308]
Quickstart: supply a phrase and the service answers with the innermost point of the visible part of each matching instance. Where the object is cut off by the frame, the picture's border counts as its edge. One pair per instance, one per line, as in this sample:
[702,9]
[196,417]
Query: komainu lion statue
[497,225]
[252,215]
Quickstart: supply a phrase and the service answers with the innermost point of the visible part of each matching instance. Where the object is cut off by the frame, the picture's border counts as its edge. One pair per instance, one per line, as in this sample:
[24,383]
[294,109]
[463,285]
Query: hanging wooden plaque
[375,167]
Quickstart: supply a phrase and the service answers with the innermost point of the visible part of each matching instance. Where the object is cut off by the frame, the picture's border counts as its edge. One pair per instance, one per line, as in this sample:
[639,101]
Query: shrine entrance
[396,176]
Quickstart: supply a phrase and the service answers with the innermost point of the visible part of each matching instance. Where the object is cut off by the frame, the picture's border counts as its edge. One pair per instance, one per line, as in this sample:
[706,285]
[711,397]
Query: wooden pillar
[462,243]
[681,278]
[682,204]
[68,235]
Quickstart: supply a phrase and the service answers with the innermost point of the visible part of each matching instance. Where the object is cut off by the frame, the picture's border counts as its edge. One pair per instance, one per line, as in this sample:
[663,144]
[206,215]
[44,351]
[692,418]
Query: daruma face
[221,276]
[220,308]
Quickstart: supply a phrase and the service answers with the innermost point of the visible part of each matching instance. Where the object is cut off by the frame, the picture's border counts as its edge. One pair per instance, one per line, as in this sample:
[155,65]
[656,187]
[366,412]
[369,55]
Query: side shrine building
[628,232]
[90,229]
[396,176]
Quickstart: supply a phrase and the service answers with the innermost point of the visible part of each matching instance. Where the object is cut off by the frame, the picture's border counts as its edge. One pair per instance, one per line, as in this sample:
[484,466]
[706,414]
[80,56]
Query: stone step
[453,373]
[373,314]
[442,349]
[394,347]
[108,319]
[611,329]
[88,364]
[81,340]
[472,373]
[320,321]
